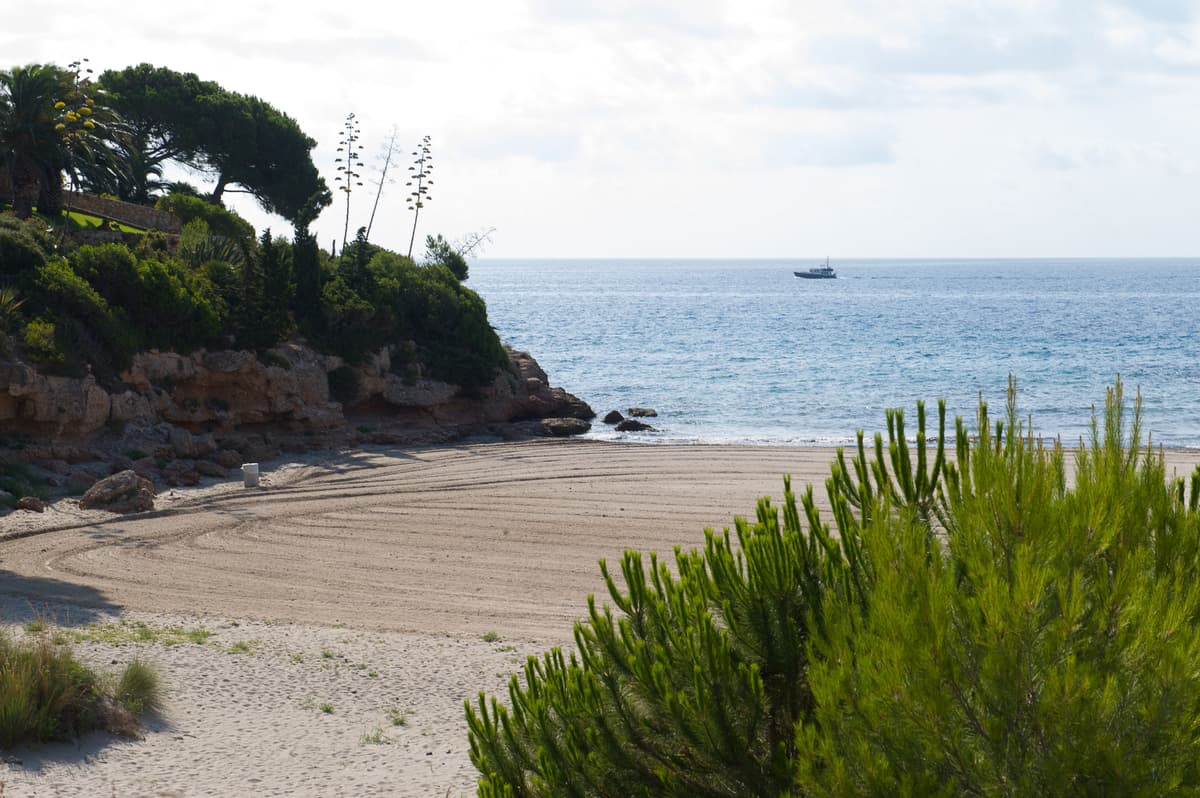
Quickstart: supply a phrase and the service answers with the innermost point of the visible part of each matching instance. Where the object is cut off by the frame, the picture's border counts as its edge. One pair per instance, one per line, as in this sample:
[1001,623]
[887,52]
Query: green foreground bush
[979,625]
[45,694]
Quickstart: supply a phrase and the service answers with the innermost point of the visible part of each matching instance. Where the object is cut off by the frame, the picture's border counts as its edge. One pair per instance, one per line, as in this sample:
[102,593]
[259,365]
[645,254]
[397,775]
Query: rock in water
[614,417]
[124,492]
[643,412]
[629,425]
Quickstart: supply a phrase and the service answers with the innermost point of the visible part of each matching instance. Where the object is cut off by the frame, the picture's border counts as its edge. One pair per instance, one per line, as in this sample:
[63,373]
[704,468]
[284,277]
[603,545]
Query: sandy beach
[318,635]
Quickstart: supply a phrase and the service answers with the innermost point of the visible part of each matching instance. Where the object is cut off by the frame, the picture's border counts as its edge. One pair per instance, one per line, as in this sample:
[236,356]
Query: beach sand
[350,592]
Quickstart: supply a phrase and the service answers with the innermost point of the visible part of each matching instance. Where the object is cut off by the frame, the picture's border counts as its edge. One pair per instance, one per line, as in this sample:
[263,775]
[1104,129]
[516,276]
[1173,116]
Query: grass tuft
[139,689]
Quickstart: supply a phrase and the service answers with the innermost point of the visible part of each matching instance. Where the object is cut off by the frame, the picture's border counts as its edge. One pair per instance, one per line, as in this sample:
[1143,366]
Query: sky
[712,128]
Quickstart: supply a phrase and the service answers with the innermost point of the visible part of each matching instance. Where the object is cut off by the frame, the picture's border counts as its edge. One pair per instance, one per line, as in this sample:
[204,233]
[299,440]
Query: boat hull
[811,276]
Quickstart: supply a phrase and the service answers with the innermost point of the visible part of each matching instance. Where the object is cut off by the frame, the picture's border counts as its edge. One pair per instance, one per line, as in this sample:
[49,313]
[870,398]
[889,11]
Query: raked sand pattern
[353,603]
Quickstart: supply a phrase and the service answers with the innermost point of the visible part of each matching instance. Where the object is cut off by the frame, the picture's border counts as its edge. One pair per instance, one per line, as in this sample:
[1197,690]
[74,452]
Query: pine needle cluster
[980,623]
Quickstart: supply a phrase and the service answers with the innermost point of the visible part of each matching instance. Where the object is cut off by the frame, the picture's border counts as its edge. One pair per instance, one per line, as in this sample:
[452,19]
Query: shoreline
[377,581]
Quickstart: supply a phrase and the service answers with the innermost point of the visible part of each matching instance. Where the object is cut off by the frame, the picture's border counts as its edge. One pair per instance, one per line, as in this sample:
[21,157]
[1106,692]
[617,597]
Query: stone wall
[123,212]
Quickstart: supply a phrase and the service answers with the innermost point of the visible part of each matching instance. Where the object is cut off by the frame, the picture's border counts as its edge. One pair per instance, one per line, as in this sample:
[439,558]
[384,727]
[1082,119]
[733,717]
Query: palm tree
[32,153]
[50,124]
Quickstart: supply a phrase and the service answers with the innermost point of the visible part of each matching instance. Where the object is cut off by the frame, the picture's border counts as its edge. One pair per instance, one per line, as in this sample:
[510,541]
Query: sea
[741,351]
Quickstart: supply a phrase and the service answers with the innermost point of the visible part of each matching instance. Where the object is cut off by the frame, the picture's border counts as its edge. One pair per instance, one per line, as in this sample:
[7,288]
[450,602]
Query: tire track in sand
[465,539]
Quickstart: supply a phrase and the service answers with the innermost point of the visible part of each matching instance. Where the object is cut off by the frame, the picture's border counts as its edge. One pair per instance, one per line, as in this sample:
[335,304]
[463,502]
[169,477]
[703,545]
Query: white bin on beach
[250,474]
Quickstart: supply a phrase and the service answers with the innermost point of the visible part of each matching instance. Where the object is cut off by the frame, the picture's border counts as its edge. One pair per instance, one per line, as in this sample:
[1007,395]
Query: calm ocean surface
[734,351]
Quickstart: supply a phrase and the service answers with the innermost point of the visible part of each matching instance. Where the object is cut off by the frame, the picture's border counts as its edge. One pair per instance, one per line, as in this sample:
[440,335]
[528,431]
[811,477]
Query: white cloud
[563,121]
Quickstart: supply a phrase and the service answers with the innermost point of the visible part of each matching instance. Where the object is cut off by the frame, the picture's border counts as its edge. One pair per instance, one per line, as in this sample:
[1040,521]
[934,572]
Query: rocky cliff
[175,418]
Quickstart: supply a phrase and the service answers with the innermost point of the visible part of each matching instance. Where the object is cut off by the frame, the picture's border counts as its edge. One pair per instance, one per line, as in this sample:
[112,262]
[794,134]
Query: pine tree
[977,625]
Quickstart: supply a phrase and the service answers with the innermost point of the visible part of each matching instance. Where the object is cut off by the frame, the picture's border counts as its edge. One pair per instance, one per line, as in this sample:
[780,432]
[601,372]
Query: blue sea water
[733,351]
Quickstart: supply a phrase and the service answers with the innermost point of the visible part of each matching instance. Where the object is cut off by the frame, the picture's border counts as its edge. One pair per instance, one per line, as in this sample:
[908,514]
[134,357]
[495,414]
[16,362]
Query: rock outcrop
[177,418]
[632,425]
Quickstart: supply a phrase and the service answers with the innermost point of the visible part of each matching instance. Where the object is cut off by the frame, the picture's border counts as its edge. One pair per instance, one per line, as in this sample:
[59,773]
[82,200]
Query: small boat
[825,272]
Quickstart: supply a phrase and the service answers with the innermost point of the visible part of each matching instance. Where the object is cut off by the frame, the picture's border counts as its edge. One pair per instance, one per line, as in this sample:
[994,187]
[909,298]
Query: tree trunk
[218,190]
[26,185]
[50,196]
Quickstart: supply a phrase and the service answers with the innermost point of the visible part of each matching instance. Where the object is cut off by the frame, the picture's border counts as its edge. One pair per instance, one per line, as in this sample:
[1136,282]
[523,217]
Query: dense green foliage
[46,694]
[74,309]
[23,247]
[376,294]
[98,305]
[979,625]
[220,221]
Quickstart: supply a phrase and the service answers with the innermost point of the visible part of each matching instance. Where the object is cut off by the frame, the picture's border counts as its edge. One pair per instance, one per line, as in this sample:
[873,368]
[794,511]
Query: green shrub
[24,246]
[112,270]
[266,295]
[40,341]
[348,321]
[198,246]
[221,222]
[164,304]
[980,626]
[174,311]
[439,252]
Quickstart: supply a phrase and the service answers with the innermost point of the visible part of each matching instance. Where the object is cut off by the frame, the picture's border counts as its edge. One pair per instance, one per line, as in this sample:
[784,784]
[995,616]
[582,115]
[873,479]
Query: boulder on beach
[643,412]
[124,492]
[31,503]
[614,417]
[563,427]
[630,425]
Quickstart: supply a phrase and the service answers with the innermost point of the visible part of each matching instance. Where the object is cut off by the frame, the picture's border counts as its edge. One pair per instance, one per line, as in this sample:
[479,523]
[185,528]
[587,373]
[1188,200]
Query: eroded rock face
[229,389]
[124,492]
[231,407]
[54,406]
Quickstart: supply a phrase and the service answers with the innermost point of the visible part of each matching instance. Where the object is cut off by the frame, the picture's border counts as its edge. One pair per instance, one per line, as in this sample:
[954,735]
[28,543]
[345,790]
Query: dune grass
[46,694]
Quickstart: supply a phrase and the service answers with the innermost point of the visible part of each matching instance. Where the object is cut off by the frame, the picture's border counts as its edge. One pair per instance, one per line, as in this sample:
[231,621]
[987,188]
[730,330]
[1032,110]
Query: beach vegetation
[139,688]
[375,737]
[126,632]
[242,647]
[974,624]
[46,694]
